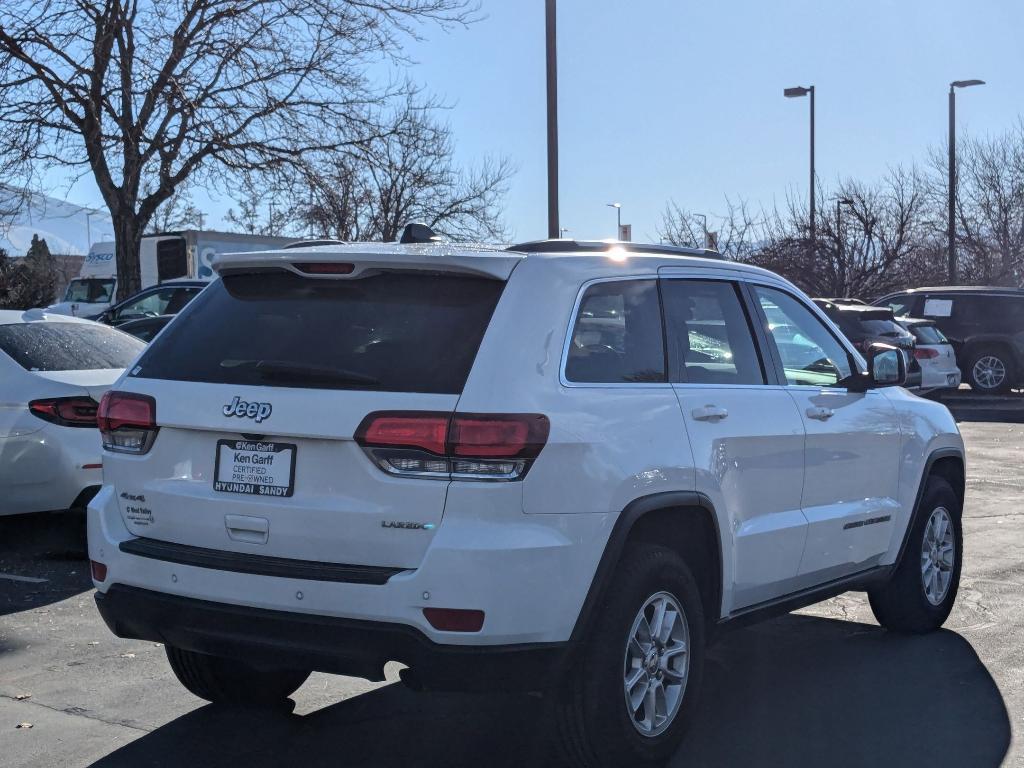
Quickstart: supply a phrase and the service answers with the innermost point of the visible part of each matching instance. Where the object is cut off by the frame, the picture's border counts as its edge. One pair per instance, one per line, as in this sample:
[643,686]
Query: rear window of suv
[56,346]
[928,334]
[393,331]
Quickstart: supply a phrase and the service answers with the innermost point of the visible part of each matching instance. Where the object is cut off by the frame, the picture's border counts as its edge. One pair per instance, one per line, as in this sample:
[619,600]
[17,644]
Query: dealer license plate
[257,467]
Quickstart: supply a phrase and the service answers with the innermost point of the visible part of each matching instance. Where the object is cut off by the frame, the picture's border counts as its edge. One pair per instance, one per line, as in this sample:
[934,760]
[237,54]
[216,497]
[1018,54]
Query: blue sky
[663,99]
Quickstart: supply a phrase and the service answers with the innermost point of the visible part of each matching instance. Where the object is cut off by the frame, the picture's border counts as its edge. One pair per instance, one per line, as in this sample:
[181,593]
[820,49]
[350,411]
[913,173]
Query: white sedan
[53,371]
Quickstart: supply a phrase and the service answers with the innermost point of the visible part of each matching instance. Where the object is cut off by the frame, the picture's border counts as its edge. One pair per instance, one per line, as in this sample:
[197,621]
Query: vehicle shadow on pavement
[804,690]
[799,690]
[43,559]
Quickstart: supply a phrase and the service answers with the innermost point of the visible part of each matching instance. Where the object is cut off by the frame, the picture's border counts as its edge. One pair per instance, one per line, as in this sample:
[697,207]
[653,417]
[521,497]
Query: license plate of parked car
[255,467]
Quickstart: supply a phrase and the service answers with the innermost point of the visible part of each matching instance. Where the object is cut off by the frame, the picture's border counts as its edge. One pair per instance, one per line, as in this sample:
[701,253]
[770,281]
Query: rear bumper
[529,574]
[322,643]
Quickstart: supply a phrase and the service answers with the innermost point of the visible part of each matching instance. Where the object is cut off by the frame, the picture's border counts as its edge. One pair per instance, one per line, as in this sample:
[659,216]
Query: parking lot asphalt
[825,686]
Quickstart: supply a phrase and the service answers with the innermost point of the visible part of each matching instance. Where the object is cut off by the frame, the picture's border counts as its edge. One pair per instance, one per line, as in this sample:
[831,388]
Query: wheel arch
[686,522]
[947,463]
[972,345]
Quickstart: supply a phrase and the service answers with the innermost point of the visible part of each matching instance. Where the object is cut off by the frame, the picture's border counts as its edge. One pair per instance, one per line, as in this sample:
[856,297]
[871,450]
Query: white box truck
[164,256]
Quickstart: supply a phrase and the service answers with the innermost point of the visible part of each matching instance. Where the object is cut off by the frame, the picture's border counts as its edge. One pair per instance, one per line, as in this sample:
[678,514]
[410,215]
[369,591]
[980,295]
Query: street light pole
[797,92]
[843,273]
[552,86]
[953,276]
[618,218]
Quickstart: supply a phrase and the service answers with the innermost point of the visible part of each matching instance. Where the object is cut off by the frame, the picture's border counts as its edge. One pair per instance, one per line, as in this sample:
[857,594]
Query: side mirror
[887,367]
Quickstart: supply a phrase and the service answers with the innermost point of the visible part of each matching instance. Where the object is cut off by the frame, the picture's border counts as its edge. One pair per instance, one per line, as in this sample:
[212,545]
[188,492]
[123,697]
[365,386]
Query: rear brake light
[99,570]
[325,268]
[428,431]
[127,422]
[471,446]
[66,411]
[923,353]
[454,619]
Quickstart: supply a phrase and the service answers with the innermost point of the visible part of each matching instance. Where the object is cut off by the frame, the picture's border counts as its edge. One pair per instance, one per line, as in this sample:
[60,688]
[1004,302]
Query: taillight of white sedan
[53,371]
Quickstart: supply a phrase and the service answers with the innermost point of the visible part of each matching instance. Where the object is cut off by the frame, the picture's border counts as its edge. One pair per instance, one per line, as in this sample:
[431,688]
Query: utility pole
[552,77]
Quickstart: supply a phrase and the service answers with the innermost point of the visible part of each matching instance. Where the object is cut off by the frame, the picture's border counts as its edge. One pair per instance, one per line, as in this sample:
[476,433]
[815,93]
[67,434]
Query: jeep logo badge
[244,410]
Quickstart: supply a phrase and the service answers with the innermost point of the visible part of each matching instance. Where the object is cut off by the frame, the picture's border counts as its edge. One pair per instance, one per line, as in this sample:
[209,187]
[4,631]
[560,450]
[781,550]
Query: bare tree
[175,213]
[370,192]
[881,240]
[190,90]
[736,234]
[990,206]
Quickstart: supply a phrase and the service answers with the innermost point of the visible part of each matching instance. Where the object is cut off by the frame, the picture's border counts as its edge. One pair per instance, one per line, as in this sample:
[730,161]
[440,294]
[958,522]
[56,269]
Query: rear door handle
[821,414]
[709,413]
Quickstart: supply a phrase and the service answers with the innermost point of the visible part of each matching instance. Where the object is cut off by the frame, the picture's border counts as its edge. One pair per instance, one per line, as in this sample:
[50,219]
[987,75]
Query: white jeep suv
[561,467]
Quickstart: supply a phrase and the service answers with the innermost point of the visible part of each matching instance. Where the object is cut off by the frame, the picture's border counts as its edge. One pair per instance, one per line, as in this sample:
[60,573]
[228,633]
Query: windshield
[396,331]
[68,346]
[90,290]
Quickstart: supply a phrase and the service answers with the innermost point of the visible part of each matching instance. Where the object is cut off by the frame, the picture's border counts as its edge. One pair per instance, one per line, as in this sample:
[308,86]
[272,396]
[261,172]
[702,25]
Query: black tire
[592,723]
[902,605]
[232,682]
[983,358]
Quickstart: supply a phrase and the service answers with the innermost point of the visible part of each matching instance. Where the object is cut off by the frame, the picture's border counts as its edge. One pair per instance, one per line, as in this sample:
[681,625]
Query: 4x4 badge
[243,409]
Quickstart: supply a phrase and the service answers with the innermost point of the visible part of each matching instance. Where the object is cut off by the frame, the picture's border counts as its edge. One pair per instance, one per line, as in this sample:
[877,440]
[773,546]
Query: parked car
[934,354]
[559,467]
[984,325]
[865,325]
[164,299]
[146,328]
[53,371]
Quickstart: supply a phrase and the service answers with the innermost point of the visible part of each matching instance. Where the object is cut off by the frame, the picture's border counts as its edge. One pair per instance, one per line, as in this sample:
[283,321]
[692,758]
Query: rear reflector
[127,422]
[325,268]
[454,619]
[66,411]
[484,446]
[99,570]
[925,354]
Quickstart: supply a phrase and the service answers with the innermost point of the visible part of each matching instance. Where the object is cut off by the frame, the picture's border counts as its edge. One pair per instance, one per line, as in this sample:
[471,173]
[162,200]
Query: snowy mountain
[66,227]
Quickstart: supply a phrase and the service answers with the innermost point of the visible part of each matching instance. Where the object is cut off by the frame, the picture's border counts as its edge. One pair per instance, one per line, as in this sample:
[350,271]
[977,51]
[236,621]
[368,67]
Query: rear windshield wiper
[280,370]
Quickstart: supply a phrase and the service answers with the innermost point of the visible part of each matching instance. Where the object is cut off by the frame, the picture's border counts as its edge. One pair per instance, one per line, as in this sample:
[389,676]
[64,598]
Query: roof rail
[603,246]
[312,243]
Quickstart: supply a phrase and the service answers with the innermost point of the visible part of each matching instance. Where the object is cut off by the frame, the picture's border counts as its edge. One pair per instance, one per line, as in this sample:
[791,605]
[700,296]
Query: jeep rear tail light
[127,422]
[925,354]
[462,446]
[66,411]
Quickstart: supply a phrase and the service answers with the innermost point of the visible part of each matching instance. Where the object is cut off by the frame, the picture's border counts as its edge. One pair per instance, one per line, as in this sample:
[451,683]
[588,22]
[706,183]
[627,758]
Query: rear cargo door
[260,386]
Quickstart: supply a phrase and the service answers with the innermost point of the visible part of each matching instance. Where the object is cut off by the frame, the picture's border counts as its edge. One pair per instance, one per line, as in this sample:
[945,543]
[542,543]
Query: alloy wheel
[938,556]
[657,664]
[989,372]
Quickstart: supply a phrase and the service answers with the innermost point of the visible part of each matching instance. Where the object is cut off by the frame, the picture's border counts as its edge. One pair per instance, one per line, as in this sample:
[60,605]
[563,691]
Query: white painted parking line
[16,577]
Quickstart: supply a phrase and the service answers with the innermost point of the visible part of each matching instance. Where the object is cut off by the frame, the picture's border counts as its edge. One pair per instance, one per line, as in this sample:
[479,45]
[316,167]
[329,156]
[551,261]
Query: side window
[150,304]
[902,306]
[181,297]
[810,354]
[616,337]
[709,336]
